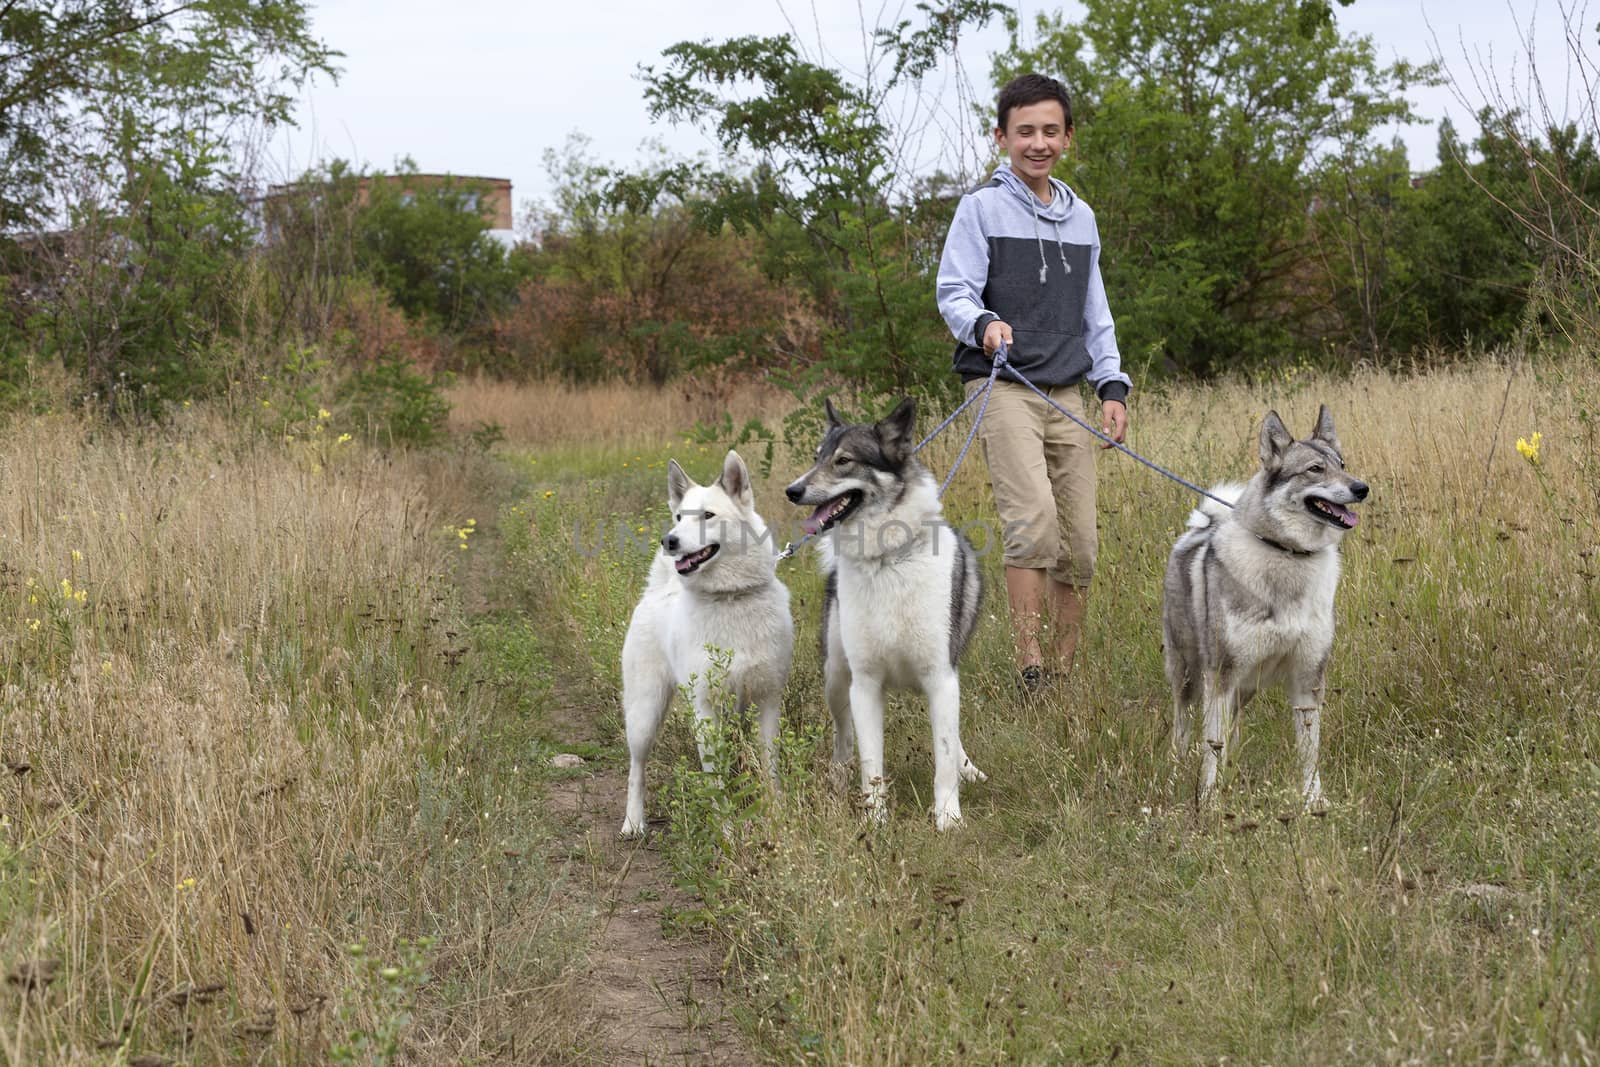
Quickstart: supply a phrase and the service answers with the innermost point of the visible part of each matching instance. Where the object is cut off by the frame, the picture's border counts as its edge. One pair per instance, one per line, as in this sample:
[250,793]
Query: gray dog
[1248,597]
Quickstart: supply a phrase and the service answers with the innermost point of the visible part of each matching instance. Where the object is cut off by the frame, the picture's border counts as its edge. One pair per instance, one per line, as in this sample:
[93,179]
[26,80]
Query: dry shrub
[367,328]
[235,750]
[681,300]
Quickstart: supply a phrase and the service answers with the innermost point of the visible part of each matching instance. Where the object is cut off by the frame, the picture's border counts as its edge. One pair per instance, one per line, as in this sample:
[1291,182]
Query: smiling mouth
[691,563]
[833,512]
[1331,513]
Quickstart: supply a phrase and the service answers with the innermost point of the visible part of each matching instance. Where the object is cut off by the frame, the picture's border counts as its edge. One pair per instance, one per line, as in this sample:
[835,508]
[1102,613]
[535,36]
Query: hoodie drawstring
[1044,268]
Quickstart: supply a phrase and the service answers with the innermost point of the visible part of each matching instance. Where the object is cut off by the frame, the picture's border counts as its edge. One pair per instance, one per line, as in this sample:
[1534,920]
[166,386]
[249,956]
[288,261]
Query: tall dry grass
[246,814]
[1442,911]
[541,414]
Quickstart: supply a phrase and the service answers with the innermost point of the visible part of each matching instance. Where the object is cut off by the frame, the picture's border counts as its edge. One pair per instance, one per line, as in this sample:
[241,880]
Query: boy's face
[1034,137]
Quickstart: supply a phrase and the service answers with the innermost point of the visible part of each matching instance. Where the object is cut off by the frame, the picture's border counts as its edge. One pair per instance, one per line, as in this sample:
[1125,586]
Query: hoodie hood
[1059,209]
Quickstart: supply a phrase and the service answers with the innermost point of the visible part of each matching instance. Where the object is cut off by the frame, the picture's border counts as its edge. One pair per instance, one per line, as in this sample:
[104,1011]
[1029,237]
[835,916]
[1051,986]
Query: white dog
[901,602]
[713,592]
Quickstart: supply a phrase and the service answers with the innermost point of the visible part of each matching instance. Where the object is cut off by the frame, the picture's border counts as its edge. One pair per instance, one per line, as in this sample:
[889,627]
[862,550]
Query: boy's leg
[1013,445]
[1025,593]
[1068,605]
[1070,453]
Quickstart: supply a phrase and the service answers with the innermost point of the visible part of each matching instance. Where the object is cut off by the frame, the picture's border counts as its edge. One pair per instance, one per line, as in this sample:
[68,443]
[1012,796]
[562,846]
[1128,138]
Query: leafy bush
[397,404]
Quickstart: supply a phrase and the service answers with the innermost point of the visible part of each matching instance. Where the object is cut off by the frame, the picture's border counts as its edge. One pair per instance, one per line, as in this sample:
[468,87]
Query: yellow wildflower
[324,413]
[33,624]
[105,667]
[77,557]
[187,883]
[548,493]
[266,403]
[343,438]
[1530,447]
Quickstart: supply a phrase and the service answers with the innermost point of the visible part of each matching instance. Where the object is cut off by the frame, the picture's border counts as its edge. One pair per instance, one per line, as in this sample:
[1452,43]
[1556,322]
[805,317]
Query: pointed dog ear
[1275,440]
[894,431]
[678,483]
[735,480]
[834,421]
[1324,432]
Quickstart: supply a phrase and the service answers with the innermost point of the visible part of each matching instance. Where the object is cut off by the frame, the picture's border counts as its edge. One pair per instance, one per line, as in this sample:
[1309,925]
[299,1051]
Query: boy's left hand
[1114,421]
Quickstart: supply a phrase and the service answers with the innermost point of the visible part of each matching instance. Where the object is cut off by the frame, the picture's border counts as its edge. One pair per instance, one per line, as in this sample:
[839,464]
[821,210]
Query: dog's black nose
[670,542]
[1359,489]
[794,493]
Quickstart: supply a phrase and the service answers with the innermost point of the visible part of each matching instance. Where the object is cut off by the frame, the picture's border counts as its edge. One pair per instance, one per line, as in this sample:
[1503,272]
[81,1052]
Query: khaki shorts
[1042,468]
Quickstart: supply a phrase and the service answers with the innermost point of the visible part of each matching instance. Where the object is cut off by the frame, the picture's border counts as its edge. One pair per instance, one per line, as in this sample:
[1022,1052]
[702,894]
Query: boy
[1021,265]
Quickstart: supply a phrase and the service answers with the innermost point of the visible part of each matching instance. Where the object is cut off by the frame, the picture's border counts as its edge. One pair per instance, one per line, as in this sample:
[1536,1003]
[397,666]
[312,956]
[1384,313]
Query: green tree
[428,244]
[119,124]
[111,83]
[831,193]
[1545,177]
[1199,126]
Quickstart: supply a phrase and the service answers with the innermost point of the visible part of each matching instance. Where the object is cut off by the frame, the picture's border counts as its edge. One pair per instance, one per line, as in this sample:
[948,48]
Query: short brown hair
[1028,89]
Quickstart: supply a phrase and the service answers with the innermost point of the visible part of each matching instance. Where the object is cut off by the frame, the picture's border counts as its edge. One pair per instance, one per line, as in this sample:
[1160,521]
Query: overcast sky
[484,87]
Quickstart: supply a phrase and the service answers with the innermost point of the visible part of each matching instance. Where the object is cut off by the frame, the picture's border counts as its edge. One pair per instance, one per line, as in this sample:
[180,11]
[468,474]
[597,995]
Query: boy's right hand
[993,334]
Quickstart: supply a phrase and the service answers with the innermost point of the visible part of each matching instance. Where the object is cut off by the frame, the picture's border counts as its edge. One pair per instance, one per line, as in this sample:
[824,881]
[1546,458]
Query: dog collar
[1282,547]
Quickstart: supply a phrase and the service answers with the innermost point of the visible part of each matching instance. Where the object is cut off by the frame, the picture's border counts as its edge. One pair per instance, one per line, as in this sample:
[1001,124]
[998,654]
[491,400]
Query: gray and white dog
[902,597]
[1248,597]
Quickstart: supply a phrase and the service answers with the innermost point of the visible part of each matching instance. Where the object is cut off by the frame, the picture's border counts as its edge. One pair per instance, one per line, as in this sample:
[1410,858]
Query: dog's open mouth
[833,512]
[1331,513]
[691,563]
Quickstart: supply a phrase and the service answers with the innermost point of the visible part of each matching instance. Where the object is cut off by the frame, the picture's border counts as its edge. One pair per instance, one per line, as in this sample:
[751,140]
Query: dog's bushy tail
[1210,512]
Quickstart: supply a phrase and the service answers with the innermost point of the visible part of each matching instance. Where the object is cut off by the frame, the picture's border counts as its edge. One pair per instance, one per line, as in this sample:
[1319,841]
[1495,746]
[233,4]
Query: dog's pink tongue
[813,522]
[1350,517]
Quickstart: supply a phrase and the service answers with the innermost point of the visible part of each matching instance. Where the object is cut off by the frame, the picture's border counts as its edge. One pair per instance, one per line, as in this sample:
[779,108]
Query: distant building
[491,196]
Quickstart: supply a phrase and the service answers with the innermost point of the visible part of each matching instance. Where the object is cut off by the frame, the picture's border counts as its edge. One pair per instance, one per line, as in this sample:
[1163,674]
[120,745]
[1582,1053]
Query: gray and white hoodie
[1011,256]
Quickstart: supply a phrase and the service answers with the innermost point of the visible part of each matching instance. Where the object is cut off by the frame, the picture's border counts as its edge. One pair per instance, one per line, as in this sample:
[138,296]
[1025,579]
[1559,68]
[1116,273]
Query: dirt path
[657,999]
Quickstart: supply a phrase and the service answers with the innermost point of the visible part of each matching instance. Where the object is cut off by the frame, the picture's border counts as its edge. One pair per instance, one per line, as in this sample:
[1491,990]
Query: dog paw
[875,805]
[948,819]
[631,830]
[970,773]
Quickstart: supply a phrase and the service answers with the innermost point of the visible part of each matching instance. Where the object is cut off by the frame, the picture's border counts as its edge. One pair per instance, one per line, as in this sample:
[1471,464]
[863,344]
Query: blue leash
[1000,357]
[983,394]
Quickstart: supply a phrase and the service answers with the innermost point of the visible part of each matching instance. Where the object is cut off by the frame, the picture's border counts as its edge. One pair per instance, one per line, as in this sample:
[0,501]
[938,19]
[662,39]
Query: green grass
[1442,910]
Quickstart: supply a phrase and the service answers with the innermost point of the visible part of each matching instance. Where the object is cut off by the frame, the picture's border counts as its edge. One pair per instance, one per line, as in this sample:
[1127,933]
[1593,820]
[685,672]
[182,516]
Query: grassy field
[276,717]
[1442,911]
[263,792]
